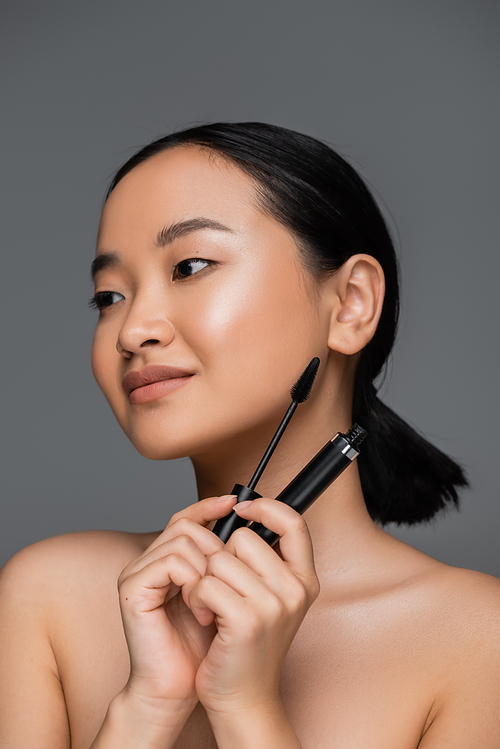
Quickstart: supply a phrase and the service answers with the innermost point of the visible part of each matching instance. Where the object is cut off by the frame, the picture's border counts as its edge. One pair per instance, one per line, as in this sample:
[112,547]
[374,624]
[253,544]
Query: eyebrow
[165,236]
[169,234]
[104,260]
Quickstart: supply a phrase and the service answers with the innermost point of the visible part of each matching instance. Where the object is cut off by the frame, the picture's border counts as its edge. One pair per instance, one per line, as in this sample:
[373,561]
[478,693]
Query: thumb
[205,511]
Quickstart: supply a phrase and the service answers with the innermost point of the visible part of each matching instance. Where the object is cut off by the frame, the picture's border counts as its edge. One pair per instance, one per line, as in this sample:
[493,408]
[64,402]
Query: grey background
[407,90]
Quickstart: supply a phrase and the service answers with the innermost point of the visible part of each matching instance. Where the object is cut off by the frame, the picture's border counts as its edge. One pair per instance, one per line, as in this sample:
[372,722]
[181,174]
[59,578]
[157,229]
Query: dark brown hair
[315,193]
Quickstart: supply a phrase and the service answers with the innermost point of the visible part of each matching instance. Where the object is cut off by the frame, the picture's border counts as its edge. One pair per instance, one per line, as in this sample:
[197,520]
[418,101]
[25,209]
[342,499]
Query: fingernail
[242,505]
[225,497]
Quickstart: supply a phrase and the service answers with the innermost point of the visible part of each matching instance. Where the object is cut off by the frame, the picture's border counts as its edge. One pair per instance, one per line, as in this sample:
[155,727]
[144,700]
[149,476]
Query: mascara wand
[299,393]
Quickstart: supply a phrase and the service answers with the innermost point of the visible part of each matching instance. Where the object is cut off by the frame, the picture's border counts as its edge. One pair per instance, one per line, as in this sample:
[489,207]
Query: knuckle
[297,596]
[216,560]
[275,608]
[169,561]
[219,554]
[298,523]
[205,584]
[184,541]
[181,525]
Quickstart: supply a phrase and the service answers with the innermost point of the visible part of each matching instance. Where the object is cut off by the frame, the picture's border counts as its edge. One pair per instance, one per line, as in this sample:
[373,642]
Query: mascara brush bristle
[302,388]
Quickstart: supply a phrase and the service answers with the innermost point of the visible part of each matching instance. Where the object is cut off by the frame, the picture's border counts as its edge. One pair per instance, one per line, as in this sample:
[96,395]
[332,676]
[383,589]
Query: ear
[359,291]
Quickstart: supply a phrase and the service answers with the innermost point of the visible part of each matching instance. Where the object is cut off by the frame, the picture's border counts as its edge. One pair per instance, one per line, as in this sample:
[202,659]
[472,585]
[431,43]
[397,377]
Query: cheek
[95,359]
[257,325]
[233,313]
[105,362]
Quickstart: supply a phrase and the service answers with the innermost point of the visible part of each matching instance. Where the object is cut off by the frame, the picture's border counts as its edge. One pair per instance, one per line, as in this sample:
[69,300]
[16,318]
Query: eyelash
[176,276]
[98,301]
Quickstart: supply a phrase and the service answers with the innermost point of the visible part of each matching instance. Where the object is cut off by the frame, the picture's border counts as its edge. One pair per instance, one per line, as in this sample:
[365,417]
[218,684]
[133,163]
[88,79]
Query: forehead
[179,184]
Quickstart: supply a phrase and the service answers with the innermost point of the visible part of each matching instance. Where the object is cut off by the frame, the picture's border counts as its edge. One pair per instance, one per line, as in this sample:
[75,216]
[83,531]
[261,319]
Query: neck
[340,526]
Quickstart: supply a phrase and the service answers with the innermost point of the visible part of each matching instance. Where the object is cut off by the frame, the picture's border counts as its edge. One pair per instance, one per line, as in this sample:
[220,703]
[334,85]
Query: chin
[158,450]
[167,444]
[161,436]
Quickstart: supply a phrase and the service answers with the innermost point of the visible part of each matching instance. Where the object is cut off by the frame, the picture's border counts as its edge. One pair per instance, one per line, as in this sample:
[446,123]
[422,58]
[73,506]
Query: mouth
[153,382]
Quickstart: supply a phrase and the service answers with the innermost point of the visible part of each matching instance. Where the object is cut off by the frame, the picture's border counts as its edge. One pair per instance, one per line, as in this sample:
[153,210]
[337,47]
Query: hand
[258,601]
[165,641]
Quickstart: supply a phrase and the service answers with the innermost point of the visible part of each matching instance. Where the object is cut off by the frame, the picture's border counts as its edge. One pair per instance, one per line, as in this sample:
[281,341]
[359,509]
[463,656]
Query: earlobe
[360,288]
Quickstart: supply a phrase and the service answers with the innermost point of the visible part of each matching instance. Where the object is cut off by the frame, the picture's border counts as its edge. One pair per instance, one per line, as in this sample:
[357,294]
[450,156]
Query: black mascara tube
[319,473]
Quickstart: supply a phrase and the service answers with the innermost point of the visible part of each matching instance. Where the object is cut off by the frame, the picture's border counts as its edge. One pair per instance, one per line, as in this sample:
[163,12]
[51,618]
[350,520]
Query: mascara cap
[225,526]
[243,493]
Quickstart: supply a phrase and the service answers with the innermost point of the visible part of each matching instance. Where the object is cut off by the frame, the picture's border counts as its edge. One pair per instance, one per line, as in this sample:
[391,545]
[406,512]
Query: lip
[153,382]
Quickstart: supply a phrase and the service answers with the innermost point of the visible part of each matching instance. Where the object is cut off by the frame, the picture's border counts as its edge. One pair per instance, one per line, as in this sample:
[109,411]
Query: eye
[189,267]
[105,299]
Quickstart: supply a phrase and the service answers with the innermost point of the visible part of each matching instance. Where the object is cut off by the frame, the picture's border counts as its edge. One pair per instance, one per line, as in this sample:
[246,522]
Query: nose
[144,327]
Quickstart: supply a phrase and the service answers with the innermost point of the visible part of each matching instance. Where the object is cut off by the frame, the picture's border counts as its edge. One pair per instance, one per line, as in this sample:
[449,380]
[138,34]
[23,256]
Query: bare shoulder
[457,608]
[47,563]
[458,626]
[466,656]
[57,573]
[469,612]
[468,598]
[58,604]
[452,596]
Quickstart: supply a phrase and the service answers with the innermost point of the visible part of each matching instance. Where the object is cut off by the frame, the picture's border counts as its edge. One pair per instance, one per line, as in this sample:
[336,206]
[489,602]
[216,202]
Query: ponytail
[320,198]
[404,478]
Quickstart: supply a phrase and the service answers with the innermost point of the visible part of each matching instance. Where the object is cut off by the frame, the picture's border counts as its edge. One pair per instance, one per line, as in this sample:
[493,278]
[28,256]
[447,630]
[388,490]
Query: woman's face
[193,277]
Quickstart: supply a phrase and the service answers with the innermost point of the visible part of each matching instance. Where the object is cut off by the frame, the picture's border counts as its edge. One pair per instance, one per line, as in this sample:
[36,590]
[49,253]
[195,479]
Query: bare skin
[391,649]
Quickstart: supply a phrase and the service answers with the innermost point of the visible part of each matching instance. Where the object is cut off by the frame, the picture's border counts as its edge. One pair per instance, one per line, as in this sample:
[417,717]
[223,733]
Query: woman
[229,256]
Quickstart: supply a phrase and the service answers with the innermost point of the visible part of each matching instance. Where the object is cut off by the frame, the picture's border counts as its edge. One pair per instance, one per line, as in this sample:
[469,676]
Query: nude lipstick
[153,382]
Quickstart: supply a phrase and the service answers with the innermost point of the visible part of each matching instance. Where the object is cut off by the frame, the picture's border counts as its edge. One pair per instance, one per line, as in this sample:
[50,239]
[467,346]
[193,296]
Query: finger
[256,555]
[295,541]
[213,595]
[206,510]
[193,521]
[183,545]
[240,577]
[145,591]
